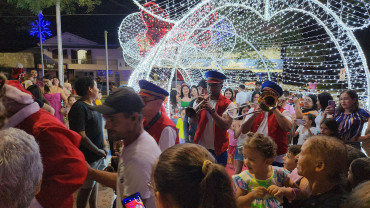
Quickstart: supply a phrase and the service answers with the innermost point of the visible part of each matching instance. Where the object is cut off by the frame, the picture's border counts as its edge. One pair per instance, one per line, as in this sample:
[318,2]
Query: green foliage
[68,6]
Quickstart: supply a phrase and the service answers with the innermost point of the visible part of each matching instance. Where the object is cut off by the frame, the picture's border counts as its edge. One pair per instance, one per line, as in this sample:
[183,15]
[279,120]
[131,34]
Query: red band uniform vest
[156,130]
[274,130]
[221,141]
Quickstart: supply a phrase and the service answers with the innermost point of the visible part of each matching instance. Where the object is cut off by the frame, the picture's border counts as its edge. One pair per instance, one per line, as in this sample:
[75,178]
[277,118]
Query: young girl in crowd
[65,110]
[238,156]
[290,159]
[307,129]
[232,142]
[180,126]
[229,94]
[322,102]
[185,96]
[262,185]
[359,172]
[186,176]
[329,127]
[290,163]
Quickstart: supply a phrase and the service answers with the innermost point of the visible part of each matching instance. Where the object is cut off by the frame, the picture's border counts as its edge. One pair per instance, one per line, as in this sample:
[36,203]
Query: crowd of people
[285,150]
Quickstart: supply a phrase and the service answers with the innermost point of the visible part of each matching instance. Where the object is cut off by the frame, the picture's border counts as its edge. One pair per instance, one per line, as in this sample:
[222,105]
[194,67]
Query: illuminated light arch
[337,42]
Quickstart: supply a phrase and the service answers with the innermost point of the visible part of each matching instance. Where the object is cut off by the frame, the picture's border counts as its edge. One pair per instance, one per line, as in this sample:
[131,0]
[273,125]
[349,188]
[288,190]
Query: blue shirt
[350,125]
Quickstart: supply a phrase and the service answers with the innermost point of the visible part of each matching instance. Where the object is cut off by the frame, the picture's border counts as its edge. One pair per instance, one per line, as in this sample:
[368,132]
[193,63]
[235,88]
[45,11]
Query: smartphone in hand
[300,122]
[331,103]
[133,201]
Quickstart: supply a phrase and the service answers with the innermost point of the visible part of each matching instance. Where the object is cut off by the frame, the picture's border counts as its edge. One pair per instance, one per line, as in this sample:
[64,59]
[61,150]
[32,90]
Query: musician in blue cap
[156,121]
[275,122]
[213,122]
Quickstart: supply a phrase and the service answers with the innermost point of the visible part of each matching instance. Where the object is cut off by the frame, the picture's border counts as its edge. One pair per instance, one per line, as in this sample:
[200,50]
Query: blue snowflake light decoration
[40,27]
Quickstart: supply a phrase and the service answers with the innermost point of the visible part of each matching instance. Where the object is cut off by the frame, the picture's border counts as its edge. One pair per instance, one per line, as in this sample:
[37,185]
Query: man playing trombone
[275,122]
[212,122]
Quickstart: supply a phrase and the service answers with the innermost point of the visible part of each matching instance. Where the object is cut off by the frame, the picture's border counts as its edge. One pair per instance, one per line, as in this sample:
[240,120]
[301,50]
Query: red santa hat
[15,91]
[18,72]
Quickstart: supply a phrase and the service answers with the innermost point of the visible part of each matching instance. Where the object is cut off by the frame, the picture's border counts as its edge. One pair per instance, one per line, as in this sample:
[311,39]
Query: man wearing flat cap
[123,113]
[212,124]
[156,121]
[276,123]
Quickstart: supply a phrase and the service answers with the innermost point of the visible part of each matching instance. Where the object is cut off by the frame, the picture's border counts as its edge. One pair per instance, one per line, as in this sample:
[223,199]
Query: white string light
[293,42]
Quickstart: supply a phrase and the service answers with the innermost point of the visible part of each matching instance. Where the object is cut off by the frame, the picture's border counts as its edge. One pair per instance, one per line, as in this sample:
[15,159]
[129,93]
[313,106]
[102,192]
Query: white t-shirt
[263,128]
[207,139]
[168,138]
[317,122]
[241,97]
[303,136]
[249,96]
[135,169]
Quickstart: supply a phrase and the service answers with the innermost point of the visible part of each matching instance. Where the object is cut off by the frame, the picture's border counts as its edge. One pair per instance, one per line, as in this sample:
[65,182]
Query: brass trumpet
[192,112]
[268,101]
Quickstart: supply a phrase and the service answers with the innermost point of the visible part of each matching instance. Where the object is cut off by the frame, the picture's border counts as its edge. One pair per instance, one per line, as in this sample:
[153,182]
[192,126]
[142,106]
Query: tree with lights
[65,5]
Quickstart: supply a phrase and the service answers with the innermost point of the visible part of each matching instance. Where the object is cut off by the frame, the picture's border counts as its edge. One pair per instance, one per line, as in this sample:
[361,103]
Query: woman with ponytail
[186,176]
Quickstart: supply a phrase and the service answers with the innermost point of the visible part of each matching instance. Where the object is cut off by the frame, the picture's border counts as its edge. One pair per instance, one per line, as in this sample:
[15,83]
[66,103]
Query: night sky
[15,25]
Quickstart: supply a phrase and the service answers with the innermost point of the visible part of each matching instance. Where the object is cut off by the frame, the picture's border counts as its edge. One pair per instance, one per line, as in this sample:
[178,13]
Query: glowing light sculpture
[293,42]
[40,28]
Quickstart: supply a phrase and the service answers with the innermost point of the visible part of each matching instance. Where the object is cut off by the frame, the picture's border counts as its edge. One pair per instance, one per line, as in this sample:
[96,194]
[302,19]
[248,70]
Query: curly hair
[261,143]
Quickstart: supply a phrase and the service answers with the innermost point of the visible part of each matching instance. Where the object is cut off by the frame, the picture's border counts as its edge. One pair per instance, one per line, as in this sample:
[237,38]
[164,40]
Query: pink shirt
[232,140]
[290,108]
[294,175]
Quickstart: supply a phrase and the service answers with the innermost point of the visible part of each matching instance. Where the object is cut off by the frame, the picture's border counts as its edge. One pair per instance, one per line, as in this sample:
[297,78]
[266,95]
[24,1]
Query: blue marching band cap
[150,89]
[269,85]
[214,77]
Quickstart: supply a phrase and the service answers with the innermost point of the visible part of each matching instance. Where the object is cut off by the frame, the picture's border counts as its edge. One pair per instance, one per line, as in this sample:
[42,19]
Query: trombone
[268,101]
[231,112]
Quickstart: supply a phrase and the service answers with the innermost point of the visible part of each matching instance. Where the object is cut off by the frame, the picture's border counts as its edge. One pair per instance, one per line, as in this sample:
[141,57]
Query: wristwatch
[212,111]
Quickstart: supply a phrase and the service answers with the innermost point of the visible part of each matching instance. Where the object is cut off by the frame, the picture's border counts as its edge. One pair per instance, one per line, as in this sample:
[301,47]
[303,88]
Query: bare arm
[107,178]
[86,142]
[238,131]
[295,133]
[367,132]
[297,109]
[48,108]
[283,122]
[63,95]
[222,122]
[245,198]
[247,125]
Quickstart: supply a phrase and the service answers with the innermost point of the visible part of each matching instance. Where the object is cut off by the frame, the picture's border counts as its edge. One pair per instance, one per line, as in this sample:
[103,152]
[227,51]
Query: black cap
[258,82]
[202,83]
[122,100]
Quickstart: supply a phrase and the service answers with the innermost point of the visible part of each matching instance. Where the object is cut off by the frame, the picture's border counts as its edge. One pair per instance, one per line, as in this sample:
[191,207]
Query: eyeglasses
[307,100]
[148,101]
[152,189]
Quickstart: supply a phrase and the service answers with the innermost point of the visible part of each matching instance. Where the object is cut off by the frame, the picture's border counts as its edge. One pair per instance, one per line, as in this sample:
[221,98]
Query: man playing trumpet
[212,122]
[275,122]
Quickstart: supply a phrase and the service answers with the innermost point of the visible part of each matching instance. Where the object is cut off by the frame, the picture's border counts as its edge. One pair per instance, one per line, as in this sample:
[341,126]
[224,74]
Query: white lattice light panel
[293,42]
